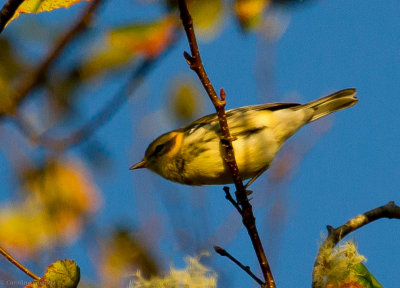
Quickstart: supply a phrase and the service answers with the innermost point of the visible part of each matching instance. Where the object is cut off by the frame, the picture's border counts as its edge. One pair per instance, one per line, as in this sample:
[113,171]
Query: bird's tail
[332,103]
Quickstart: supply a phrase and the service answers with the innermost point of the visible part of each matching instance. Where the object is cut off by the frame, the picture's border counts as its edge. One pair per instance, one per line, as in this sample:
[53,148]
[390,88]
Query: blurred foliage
[208,15]
[11,67]
[59,198]
[65,274]
[207,18]
[194,275]
[147,39]
[291,2]
[185,100]
[61,96]
[122,255]
[124,43]
[250,12]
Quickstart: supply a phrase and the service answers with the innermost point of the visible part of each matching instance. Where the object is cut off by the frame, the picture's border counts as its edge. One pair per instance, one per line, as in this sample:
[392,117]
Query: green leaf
[365,278]
[65,274]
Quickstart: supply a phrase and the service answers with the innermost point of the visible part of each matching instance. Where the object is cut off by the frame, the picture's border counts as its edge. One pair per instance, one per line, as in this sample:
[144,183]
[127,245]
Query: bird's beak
[141,164]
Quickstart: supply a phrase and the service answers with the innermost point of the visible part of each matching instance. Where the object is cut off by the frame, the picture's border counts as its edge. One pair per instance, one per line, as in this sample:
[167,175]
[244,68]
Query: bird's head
[161,152]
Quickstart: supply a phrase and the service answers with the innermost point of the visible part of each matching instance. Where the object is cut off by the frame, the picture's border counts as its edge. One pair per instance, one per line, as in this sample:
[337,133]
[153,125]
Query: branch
[138,74]
[390,210]
[19,265]
[37,76]
[8,11]
[246,269]
[195,63]
[90,127]
[229,197]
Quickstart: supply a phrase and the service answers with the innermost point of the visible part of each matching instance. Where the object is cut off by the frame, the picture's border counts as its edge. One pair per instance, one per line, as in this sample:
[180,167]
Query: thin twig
[8,11]
[229,197]
[19,265]
[38,75]
[246,269]
[195,63]
[390,210]
[197,66]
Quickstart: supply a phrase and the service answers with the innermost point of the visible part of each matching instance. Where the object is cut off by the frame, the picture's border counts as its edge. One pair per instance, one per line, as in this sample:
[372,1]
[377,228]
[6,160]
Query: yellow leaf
[123,44]
[60,196]
[65,274]
[23,231]
[37,6]
[186,100]
[250,12]
[207,17]
[148,39]
[63,184]
[105,59]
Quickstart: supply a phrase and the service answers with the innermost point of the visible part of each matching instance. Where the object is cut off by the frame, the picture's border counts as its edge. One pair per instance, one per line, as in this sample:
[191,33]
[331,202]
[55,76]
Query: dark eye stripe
[163,148]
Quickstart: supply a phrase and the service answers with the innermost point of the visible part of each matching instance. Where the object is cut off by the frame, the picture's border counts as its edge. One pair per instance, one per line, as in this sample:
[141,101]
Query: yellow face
[164,148]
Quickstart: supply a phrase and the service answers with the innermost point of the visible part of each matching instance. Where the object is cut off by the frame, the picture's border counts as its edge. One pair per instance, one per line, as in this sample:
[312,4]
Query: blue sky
[352,167]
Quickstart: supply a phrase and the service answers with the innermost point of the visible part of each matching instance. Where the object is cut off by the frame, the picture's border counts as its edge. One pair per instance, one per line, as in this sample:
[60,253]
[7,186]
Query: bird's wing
[212,119]
[268,106]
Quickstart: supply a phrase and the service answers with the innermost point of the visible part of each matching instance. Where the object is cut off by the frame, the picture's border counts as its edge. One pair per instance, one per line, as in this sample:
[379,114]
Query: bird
[193,154]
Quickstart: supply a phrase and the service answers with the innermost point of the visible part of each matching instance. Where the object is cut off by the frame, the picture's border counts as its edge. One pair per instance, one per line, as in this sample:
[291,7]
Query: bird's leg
[255,177]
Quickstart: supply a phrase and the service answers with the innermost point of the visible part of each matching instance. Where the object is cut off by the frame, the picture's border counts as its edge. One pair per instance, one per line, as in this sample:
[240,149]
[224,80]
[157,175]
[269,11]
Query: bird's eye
[158,148]
[161,147]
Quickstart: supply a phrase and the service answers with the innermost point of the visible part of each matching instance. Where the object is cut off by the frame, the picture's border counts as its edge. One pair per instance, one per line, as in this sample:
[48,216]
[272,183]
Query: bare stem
[246,269]
[8,11]
[195,63]
[229,197]
[390,210]
[19,265]
[37,76]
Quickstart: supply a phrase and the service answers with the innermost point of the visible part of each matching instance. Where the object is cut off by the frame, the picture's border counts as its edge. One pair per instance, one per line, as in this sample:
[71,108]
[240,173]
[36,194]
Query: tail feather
[332,103]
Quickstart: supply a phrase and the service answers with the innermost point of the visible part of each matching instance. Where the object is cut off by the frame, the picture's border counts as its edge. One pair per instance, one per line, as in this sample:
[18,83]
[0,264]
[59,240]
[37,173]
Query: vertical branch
[19,265]
[195,63]
[8,11]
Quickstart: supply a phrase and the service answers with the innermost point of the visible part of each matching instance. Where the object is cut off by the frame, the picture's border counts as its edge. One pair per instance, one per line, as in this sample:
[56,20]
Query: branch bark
[390,210]
[19,265]
[246,269]
[196,64]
